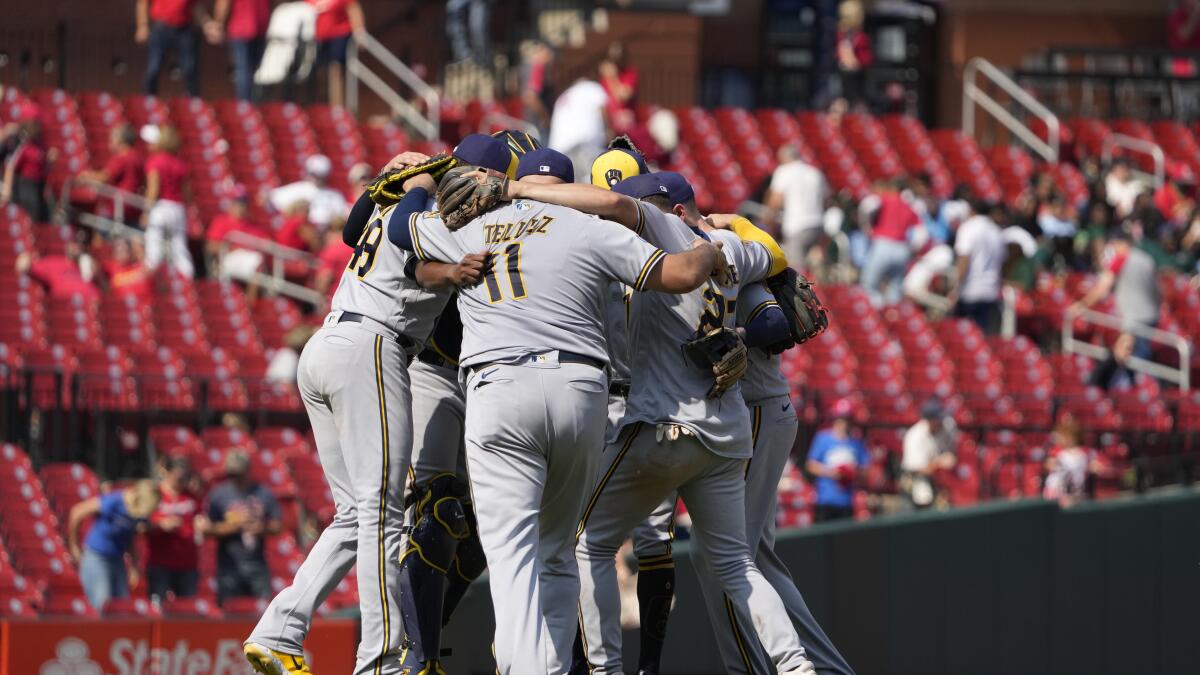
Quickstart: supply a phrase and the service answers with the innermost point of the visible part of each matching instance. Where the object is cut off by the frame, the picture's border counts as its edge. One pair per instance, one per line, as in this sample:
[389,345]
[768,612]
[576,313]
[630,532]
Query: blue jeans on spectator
[182,41]
[182,583]
[983,314]
[467,24]
[246,55]
[245,578]
[103,578]
[886,263]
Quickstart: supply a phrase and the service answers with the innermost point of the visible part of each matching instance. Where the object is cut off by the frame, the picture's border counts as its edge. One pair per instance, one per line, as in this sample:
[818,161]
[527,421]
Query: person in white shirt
[324,203]
[980,249]
[579,126]
[1122,188]
[798,192]
[928,446]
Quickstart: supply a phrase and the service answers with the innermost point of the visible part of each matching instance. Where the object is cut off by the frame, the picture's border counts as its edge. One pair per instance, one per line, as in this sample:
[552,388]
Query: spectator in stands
[951,213]
[166,218]
[619,79]
[332,259]
[247,34]
[928,446]
[125,169]
[467,28]
[1113,373]
[892,221]
[172,541]
[125,271]
[25,173]
[536,84]
[241,514]
[797,197]
[67,275]
[1131,275]
[337,21]
[359,177]
[1122,188]
[836,458]
[324,203]
[102,559]
[579,126]
[240,260]
[1069,465]
[979,250]
[167,26]
[298,232]
[853,53]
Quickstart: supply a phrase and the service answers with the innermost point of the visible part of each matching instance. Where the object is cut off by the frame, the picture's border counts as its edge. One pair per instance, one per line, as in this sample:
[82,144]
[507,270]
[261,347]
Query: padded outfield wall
[1013,587]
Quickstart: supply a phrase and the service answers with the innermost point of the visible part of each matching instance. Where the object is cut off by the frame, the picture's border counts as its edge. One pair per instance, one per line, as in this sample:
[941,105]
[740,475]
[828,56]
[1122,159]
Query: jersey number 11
[511,257]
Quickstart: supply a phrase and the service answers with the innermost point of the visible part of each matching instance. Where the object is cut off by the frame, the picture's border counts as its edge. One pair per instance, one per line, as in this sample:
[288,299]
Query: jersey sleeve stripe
[641,222]
[758,310]
[416,237]
[644,275]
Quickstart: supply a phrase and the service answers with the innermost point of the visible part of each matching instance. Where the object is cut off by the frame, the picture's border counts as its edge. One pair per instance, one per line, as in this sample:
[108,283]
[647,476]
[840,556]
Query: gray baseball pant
[438,411]
[640,473]
[774,432]
[532,431]
[353,379]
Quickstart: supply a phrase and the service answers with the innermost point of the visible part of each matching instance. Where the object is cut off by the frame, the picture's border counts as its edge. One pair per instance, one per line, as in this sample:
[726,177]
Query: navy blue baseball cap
[487,152]
[546,162]
[644,185]
[678,188]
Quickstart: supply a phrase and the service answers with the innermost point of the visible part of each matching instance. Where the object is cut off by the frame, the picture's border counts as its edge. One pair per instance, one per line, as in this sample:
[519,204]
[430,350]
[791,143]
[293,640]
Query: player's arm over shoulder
[607,204]
[422,232]
[760,316]
[748,232]
[642,266]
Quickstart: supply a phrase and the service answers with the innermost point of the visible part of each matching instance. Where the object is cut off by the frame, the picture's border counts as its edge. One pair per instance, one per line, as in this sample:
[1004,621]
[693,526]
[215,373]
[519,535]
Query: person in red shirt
[25,173]
[619,79]
[65,275]
[125,170]
[232,259]
[166,25]
[337,20]
[334,257]
[173,555]
[888,258]
[297,231]
[125,271]
[854,54]
[246,31]
[166,218]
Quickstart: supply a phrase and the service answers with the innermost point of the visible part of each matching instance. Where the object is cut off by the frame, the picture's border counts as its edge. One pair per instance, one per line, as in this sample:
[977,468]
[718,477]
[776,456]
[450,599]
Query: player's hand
[720,221]
[470,270]
[720,271]
[421,180]
[405,160]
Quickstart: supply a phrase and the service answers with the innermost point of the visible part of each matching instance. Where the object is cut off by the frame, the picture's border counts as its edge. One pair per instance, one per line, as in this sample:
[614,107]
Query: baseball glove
[388,187]
[805,314]
[722,351]
[462,197]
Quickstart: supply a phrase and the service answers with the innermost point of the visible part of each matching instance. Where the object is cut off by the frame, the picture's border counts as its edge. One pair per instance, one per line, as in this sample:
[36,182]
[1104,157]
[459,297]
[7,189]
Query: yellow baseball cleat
[432,668]
[270,662]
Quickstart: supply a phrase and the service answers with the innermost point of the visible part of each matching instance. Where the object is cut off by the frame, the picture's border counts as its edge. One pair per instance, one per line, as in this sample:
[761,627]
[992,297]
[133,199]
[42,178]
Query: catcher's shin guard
[438,527]
[469,563]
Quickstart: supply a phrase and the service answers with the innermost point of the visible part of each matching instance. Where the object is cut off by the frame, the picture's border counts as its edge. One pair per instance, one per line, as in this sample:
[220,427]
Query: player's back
[551,268]
[375,285]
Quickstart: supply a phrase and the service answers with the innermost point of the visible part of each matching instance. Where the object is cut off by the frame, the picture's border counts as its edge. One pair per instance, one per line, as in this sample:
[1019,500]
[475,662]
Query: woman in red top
[166,219]
[173,557]
[337,20]
[619,79]
[25,174]
[125,170]
[854,53]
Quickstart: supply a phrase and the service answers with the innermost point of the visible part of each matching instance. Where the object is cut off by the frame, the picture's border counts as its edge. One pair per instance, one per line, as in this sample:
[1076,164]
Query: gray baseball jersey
[534,418]
[503,318]
[354,381]
[763,378]
[375,285]
[666,387]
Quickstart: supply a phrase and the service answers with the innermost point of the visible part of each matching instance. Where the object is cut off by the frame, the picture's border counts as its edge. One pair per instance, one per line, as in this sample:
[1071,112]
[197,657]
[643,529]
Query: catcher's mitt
[722,351]
[805,314]
[388,187]
[462,197]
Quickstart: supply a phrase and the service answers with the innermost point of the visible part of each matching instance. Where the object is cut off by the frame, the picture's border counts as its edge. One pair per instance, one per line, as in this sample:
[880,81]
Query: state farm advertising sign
[164,647]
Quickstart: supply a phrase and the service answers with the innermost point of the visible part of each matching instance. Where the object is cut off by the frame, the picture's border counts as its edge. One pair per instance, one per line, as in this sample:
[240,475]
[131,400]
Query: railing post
[1008,313]
[968,100]
[352,76]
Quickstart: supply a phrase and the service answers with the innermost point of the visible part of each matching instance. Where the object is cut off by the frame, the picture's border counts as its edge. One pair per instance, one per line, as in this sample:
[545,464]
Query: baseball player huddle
[517,374]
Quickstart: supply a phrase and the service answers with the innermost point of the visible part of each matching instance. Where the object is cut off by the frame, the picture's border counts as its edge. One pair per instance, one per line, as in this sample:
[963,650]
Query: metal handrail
[973,94]
[118,196]
[428,124]
[1136,144]
[1008,312]
[1181,375]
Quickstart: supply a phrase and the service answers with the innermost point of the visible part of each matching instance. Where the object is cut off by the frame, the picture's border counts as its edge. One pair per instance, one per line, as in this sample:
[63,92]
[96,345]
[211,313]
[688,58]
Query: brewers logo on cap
[616,165]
